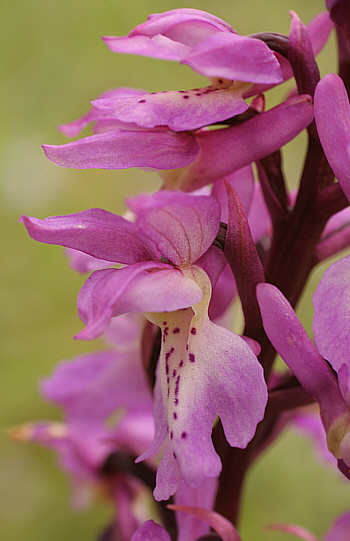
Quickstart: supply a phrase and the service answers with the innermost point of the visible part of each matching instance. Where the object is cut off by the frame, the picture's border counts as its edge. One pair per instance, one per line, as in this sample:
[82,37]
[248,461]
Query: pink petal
[236,58]
[122,241]
[332,115]
[111,292]
[94,115]
[178,110]
[123,149]
[189,526]
[331,323]
[340,530]
[150,531]
[181,226]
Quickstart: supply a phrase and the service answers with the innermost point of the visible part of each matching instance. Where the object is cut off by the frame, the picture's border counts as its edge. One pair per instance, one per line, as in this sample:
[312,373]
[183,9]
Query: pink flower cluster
[179,403]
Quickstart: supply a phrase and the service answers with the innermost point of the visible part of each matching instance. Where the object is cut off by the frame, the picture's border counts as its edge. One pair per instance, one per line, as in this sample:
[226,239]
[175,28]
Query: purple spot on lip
[168,353]
[177,384]
[175,415]
[174,373]
[164,322]
[181,363]
[171,435]
[174,455]
[176,330]
[191,357]
[193,330]
[184,435]
[186,347]
[142,101]
[176,401]
[185,97]
[198,94]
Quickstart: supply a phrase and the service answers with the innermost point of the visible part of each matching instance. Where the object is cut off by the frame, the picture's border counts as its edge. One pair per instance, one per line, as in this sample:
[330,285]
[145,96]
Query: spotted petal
[205,371]
[223,151]
[178,110]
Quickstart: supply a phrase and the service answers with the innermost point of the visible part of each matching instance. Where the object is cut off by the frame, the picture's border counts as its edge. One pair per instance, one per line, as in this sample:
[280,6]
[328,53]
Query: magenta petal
[242,181]
[85,263]
[235,57]
[183,25]
[335,236]
[151,531]
[181,226]
[91,388]
[344,383]
[73,129]
[340,530]
[83,231]
[179,110]
[319,29]
[123,149]
[290,340]
[213,262]
[259,218]
[158,47]
[169,35]
[331,323]
[110,292]
[332,115]
[226,150]
[189,526]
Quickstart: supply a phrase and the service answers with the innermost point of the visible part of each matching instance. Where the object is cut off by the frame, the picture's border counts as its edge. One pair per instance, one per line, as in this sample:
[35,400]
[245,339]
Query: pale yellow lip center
[220,83]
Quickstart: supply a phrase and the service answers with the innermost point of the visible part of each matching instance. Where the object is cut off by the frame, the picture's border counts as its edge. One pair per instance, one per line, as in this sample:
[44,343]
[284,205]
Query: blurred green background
[53,63]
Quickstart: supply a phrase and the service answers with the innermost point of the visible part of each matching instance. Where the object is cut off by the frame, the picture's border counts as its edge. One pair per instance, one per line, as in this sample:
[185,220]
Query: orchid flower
[210,47]
[167,130]
[92,389]
[296,349]
[210,154]
[204,370]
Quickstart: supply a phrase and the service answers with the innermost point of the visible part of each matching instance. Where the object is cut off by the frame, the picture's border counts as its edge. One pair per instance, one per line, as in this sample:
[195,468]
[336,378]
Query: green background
[53,63]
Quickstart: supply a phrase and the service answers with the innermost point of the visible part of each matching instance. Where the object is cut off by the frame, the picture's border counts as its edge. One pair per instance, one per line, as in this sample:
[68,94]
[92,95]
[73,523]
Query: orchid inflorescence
[194,403]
